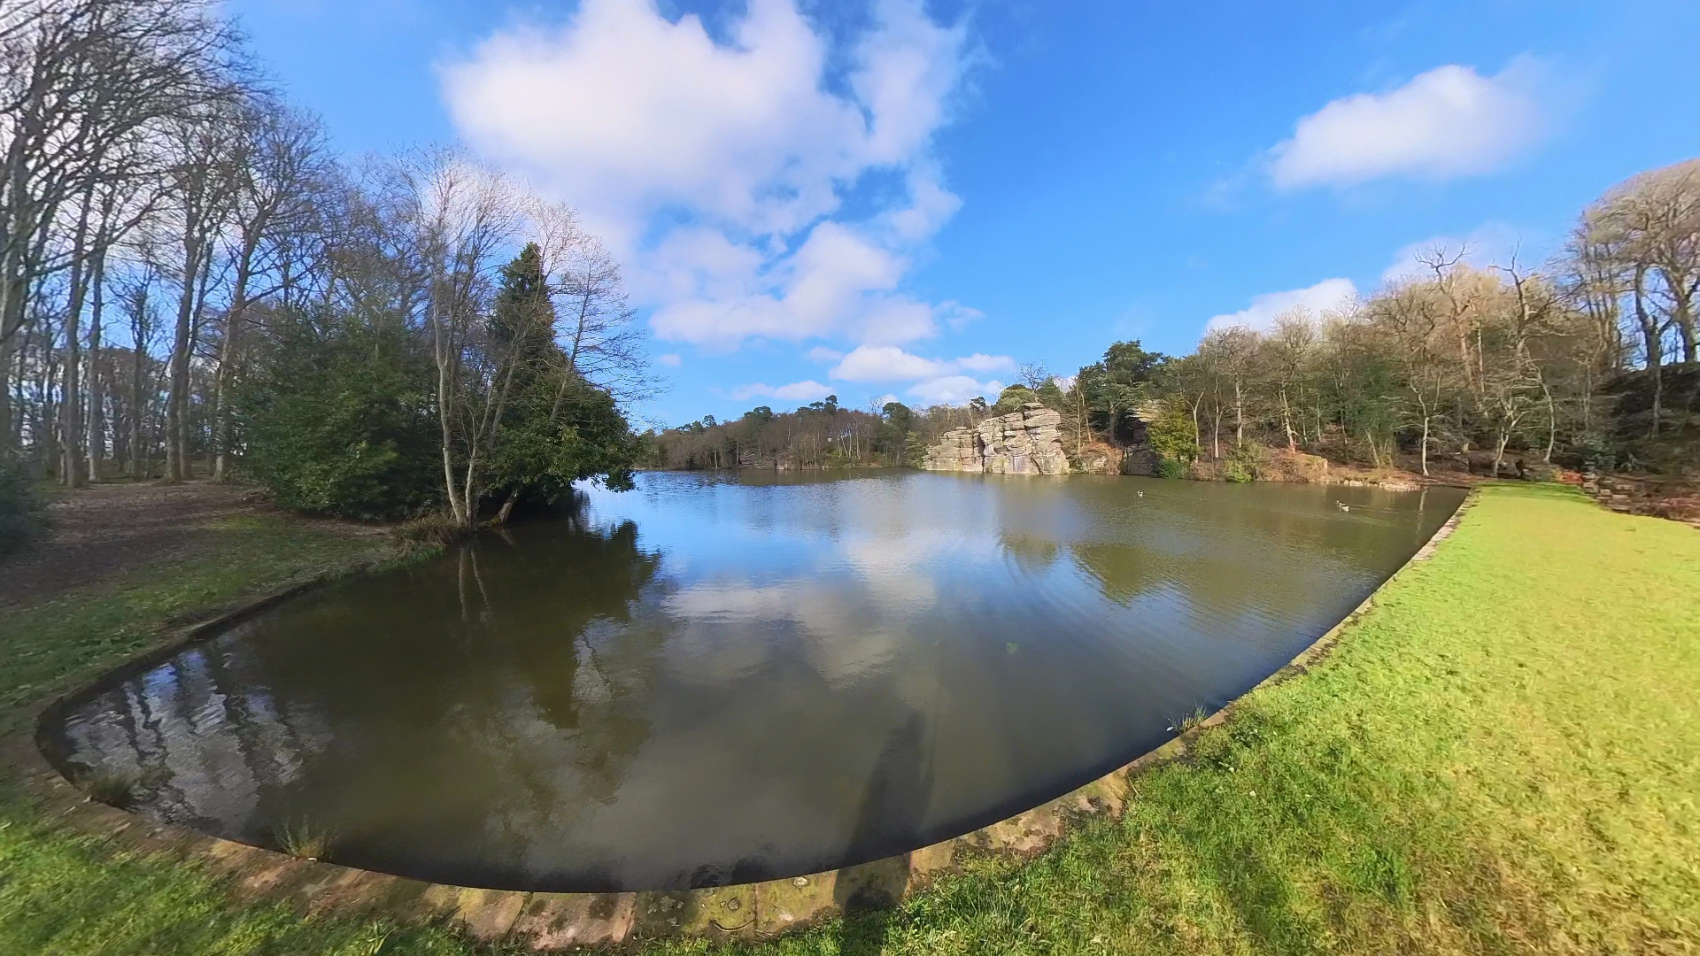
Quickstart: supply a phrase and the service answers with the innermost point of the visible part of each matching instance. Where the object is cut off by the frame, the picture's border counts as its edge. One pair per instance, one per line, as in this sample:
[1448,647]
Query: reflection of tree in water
[1033,552]
[406,709]
[1123,572]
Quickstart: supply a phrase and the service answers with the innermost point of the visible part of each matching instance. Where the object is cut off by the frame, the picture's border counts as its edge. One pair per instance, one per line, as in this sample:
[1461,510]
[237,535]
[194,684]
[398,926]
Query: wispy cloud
[954,390]
[888,363]
[806,391]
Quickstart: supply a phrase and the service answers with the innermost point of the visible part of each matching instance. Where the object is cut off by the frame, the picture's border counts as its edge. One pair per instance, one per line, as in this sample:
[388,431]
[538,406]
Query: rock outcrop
[1024,442]
[1101,459]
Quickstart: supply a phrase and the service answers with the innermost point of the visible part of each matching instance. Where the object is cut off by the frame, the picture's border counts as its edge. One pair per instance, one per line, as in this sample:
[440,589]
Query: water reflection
[708,680]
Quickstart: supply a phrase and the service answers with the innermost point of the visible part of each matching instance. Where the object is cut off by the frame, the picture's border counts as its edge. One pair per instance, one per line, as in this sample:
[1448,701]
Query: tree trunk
[12,294]
[1652,339]
[138,408]
[8,440]
[1552,422]
[1287,422]
[97,388]
[1239,415]
[70,420]
[177,399]
[1423,454]
[227,355]
[1197,435]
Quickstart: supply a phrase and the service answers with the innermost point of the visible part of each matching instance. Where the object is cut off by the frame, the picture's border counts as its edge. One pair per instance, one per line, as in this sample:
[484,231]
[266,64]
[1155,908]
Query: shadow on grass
[898,788]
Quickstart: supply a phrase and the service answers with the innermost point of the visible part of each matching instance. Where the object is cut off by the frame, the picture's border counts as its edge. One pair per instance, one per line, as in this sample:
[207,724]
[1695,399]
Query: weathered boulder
[1098,459]
[1024,442]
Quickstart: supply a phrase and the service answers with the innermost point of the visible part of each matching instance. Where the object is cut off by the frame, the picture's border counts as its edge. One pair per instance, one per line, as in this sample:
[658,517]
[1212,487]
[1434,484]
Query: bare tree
[1512,379]
[1289,344]
[137,301]
[79,79]
[462,216]
[603,342]
[277,160]
[202,175]
[1229,353]
[1413,316]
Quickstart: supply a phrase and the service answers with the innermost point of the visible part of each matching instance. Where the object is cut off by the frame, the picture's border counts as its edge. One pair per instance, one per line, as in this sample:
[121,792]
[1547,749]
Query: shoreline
[762,909]
[1440,735]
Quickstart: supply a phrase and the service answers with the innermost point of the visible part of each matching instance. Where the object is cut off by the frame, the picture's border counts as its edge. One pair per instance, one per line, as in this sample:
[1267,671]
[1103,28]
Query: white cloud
[821,353]
[838,284]
[1490,244]
[885,363]
[1261,314]
[670,359]
[716,170]
[806,391]
[954,390]
[888,363]
[885,399]
[981,362]
[1450,121]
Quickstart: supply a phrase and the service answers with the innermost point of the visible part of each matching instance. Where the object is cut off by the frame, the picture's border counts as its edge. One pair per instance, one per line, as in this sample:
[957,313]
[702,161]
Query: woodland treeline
[1589,359]
[1586,360]
[191,283]
[820,434]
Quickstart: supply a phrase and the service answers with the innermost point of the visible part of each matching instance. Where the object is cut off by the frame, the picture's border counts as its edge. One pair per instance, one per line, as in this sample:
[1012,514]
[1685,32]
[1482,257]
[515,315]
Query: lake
[718,679]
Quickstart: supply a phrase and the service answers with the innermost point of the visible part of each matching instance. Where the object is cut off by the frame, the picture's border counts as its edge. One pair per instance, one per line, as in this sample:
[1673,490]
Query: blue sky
[891,198]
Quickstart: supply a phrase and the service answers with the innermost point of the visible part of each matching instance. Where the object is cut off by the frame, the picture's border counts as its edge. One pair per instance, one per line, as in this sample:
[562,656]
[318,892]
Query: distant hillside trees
[821,434]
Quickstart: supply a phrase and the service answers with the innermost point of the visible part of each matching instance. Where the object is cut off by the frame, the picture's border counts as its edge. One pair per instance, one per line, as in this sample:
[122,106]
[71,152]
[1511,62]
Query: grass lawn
[1504,755]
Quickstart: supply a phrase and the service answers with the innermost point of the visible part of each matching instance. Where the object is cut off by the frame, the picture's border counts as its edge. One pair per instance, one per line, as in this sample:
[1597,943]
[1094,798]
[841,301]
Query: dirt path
[107,530]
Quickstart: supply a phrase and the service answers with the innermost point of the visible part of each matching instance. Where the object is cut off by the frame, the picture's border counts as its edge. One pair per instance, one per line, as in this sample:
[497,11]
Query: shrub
[1171,435]
[21,516]
[305,839]
[112,788]
[337,419]
[431,531]
[1595,451]
[1171,467]
[1012,398]
[1244,463]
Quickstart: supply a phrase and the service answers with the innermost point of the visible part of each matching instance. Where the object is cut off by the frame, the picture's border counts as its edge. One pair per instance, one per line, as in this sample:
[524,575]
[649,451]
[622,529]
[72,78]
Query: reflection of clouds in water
[730,630]
[853,616]
[853,619]
[717,603]
[896,572]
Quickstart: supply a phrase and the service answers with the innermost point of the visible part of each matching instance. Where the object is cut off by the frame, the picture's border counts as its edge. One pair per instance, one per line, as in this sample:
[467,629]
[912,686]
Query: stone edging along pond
[551,920]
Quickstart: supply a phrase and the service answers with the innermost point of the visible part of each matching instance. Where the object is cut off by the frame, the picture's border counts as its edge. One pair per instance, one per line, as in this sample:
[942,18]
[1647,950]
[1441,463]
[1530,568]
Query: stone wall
[1024,442]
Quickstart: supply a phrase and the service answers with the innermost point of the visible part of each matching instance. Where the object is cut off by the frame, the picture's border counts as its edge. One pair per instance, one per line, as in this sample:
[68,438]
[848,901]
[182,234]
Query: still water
[713,679]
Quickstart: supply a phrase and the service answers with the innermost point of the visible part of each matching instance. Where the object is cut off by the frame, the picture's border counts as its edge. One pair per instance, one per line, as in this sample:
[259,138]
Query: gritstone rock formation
[1025,442]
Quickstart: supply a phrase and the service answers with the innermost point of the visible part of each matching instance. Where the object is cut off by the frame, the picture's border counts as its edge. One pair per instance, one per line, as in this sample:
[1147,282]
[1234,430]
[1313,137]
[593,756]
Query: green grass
[1502,756]
[305,839]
